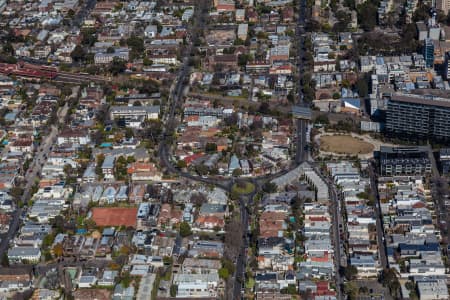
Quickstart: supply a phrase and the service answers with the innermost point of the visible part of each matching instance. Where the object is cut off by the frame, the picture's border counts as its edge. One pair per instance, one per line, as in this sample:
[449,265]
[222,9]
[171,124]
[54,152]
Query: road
[340,258]
[336,215]
[379,223]
[301,150]
[32,174]
[241,262]
[170,121]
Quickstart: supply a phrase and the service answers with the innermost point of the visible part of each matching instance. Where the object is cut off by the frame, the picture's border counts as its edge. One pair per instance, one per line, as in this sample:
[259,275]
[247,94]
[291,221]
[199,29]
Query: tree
[126,279]
[291,290]
[362,195]
[233,239]
[147,62]
[70,13]
[350,4]
[367,15]
[389,278]
[117,66]
[58,250]
[8,48]
[110,50]
[238,42]
[173,290]
[243,59]
[121,168]
[48,241]
[16,192]
[78,54]
[137,46]
[237,172]
[198,199]
[88,37]
[129,133]
[422,12]
[68,170]
[351,290]
[269,187]
[185,229]
[201,170]
[322,119]
[264,108]
[350,272]
[228,265]
[181,164]
[98,167]
[363,87]
[5,260]
[224,273]
[363,290]
[210,147]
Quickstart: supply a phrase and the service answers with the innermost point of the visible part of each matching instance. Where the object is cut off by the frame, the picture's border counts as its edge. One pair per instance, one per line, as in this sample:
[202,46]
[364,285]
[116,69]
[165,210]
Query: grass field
[344,144]
[244,189]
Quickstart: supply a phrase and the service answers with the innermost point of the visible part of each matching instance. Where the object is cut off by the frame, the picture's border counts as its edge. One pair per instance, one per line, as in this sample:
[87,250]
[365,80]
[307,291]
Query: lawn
[243,188]
[344,144]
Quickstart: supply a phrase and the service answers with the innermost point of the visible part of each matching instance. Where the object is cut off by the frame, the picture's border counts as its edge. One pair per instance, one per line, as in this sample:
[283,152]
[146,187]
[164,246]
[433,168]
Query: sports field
[344,144]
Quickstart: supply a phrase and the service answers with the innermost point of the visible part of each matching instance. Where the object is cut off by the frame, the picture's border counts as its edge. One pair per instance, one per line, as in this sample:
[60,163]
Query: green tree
[70,13]
[238,42]
[129,133]
[237,172]
[201,170]
[78,54]
[350,272]
[8,48]
[224,273]
[322,119]
[367,15]
[88,37]
[363,87]
[243,59]
[185,229]
[210,147]
[137,46]
[181,164]
[121,168]
[117,66]
[269,187]
[5,260]
[48,241]
[422,12]
[173,290]
[351,290]
[389,278]
[228,265]
[362,195]
[98,167]
[126,279]
[291,290]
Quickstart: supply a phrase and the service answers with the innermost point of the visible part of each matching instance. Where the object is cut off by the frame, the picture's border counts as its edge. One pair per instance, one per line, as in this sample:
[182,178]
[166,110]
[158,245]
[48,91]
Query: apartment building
[418,116]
